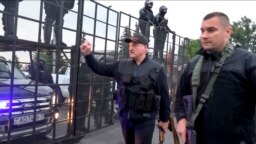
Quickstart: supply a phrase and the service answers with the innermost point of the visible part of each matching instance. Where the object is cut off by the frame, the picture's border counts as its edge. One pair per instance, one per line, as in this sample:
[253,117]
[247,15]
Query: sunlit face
[137,50]
[214,34]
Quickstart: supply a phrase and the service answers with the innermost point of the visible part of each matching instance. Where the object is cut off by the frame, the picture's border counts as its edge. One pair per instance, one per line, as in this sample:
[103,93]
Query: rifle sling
[196,80]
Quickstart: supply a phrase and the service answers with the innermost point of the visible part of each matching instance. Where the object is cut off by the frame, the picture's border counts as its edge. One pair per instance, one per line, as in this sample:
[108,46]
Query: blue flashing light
[3,104]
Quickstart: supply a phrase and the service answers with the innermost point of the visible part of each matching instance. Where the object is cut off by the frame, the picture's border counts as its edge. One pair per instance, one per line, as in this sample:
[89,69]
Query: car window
[5,71]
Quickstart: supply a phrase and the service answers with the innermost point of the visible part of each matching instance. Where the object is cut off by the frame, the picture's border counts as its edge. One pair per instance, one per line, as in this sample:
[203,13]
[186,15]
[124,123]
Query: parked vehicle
[25,107]
[64,81]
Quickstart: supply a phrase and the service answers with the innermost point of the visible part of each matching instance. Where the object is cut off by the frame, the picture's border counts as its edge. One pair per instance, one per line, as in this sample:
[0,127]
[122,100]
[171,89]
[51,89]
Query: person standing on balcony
[9,17]
[146,18]
[55,16]
[160,33]
[39,73]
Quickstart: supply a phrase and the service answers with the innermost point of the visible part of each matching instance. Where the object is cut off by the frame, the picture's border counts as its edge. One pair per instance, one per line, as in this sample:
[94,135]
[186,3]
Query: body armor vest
[138,93]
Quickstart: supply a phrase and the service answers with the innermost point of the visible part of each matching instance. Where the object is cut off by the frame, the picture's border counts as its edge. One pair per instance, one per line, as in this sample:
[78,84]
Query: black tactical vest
[139,92]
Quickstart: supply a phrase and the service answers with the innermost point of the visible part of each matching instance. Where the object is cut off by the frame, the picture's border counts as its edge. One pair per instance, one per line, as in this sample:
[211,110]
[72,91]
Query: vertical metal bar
[74,74]
[106,35]
[129,22]
[173,54]
[12,76]
[58,44]
[95,23]
[94,31]
[167,51]
[118,25]
[117,34]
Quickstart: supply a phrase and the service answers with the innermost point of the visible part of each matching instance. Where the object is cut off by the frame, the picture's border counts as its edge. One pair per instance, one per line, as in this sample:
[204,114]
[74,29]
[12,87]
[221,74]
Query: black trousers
[160,38]
[137,132]
[145,28]
[10,6]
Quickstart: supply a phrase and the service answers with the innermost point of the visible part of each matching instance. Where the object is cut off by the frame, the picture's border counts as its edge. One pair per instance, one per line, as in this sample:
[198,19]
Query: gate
[75,101]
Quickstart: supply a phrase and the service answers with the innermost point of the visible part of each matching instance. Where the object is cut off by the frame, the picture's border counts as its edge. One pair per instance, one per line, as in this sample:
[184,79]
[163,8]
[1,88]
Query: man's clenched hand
[86,47]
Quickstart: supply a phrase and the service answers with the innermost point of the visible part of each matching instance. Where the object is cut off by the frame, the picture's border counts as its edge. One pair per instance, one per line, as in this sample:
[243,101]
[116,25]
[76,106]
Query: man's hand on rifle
[163,126]
[182,128]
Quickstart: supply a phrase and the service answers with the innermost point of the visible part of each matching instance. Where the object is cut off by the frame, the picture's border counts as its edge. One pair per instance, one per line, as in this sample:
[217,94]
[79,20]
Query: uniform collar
[207,54]
[144,60]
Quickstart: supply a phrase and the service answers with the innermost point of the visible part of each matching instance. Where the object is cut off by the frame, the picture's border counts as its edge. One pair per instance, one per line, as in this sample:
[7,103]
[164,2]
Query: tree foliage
[123,48]
[193,47]
[244,32]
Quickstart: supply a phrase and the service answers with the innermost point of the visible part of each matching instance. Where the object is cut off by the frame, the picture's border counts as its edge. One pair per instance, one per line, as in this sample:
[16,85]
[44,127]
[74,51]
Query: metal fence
[37,109]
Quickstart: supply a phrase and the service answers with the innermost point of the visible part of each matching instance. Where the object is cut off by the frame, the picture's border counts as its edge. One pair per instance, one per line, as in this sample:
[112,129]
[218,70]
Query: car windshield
[5,71]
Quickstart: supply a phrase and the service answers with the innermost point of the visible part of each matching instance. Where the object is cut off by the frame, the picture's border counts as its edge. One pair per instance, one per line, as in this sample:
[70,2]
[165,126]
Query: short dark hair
[224,18]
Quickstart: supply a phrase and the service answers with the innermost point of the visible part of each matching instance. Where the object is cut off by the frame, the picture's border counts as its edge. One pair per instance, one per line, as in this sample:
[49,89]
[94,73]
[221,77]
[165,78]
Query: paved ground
[113,135]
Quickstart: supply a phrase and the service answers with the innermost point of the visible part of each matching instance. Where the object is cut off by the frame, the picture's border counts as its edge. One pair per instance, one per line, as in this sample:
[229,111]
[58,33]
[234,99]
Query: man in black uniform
[53,16]
[227,104]
[146,18]
[39,73]
[10,6]
[160,32]
[142,90]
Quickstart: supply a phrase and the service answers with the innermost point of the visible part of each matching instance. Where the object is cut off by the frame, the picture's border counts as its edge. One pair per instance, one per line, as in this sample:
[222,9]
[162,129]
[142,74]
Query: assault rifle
[172,129]
[163,25]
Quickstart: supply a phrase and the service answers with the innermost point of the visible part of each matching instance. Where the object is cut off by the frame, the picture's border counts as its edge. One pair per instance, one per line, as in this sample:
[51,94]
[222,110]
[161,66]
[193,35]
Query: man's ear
[229,31]
[146,47]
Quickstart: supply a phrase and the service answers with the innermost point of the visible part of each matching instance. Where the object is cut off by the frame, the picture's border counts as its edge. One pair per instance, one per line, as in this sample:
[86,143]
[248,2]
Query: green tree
[193,47]
[244,32]
[123,48]
[183,52]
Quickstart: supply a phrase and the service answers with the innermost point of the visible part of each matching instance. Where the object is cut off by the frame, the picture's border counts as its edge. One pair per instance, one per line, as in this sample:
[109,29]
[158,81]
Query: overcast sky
[185,17]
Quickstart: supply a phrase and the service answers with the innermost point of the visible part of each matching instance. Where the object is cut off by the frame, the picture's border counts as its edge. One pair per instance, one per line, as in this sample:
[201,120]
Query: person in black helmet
[146,18]
[238,45]
[160,33]
[8,18]
[142,89]
[54,17]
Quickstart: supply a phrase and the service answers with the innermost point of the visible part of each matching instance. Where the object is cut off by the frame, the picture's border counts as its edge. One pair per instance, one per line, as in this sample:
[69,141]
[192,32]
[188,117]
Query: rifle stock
[174,132]
[161,136]
[171,127]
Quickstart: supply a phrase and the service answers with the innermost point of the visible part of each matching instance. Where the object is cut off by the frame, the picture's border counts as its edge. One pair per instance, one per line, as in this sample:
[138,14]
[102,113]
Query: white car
[63,80]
